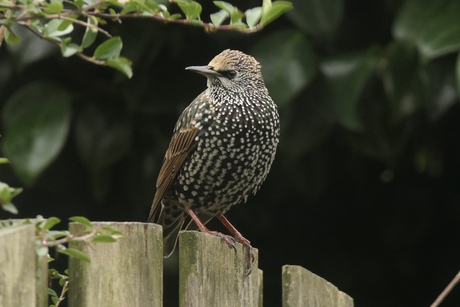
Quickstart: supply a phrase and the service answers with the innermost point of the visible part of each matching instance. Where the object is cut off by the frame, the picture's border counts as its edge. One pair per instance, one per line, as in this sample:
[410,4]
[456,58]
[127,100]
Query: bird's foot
[228,239]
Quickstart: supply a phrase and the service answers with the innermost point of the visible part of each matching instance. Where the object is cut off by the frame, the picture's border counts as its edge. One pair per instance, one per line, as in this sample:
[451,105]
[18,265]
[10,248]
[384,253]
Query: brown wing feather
[182,143]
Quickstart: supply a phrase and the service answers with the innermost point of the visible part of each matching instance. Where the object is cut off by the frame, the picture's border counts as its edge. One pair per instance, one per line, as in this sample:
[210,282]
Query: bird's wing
[182,143]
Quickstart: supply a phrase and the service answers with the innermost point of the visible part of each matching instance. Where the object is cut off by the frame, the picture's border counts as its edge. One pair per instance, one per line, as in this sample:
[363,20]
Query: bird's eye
[230,74]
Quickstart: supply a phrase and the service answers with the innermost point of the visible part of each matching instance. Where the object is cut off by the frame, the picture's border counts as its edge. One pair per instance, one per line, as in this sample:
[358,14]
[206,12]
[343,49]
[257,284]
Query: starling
[221,150]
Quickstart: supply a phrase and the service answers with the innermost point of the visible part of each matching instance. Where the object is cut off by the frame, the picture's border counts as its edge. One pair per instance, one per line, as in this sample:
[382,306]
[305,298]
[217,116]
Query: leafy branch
[54,21]
[47,238]
[7,194]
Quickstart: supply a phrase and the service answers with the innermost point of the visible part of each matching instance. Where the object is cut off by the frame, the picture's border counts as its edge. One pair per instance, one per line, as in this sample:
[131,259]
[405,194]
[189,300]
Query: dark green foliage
[367,172]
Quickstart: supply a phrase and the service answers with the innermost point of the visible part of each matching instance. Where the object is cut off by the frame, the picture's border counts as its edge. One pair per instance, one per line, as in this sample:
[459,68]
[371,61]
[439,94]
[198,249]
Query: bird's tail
[172,221]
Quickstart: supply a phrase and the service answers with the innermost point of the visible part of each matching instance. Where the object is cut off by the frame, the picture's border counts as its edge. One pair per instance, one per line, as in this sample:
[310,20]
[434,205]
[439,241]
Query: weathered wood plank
[303,288]
[42,280]
[128,272]
[17,266]
[212,274]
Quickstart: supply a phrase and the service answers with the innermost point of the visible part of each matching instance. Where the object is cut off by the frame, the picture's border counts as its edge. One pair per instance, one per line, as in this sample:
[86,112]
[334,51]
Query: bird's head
[233,70]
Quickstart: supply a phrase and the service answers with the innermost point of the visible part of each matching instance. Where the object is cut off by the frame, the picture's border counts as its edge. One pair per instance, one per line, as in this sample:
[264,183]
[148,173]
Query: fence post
[303,288]
[18,267]
[42,280]
[128,272]
[212,274]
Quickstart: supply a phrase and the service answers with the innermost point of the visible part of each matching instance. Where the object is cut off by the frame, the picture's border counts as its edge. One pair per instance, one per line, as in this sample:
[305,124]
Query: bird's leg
[238,238]
[230,240]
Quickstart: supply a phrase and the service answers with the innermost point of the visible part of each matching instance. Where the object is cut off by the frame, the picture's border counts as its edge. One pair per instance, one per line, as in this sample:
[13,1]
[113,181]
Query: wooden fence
[130,273]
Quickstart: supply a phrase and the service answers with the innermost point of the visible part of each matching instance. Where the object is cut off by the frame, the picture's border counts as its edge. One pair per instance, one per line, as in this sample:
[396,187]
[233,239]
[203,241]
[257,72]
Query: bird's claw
[250,260]
[228,239]
[231,242]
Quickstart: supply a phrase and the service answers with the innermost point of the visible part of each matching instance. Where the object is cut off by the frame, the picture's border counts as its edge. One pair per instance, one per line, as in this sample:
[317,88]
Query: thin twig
[88,11]
[63,16]
[208,27]
[446,291]
[11,6]
[79,22]
[63,292]
[69,238]
[79,54]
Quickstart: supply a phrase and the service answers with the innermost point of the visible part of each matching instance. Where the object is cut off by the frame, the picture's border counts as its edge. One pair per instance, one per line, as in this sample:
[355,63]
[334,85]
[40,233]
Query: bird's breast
[235,148]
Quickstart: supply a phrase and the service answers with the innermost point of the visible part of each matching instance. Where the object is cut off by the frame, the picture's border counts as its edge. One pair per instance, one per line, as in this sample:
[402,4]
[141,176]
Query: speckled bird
[221,151]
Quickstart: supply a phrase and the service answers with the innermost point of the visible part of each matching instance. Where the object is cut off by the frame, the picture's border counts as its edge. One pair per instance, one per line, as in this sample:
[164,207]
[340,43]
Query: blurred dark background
[365,188]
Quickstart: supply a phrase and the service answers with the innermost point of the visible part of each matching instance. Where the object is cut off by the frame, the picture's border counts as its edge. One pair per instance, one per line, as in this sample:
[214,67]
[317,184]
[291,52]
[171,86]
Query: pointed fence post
[301,288]
[18,280]
[212,274]
[128,272]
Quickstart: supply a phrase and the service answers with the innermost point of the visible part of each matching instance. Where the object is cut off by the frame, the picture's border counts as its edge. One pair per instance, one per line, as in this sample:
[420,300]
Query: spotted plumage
[221,150]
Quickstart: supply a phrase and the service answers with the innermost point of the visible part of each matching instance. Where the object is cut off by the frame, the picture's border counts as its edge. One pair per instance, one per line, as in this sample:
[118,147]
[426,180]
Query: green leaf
[218,18]
[224,6]
[54,7]
[9,207]
[11,37]
[53,273]
[66,23]
[42,251]
[235,14]
[4,161]
[56,28]
[62,281]
[78,3]
[39,218]
[36,120]
[7,193]
[175,16]
[90,33]
[191,9]
[129,8]
[111,48]
[50,223]
[271,11]
[81,220]
[112,231]
[317,18]
[75,253]
[253,16]
[7,2]
[345,79]
[68,49]
[52,292]
[103,239]
[121,64]
[432,26]
[287,67]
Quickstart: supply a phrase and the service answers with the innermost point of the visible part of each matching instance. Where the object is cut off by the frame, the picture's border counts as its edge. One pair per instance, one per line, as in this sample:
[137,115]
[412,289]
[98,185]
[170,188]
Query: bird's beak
[207,71]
